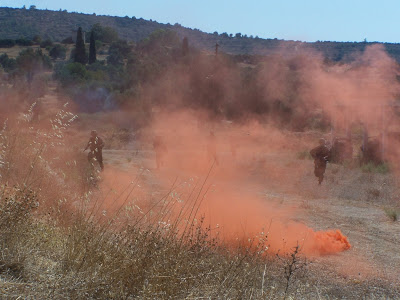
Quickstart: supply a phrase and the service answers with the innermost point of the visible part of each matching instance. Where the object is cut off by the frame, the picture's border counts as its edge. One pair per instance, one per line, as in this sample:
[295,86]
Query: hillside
[27,23]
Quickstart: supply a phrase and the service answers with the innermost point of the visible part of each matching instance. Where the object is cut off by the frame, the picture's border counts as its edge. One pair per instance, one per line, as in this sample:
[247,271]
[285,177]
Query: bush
[67,40]
[46,43]
[58,51]
[37,39]
[105,34]
[8,64]
[70,73]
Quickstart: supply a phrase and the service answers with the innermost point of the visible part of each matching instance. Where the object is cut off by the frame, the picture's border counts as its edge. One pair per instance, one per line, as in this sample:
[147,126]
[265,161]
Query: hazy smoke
[214,113]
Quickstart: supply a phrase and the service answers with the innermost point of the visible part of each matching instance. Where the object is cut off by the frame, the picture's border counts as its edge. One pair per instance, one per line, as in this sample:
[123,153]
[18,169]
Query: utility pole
[383,132]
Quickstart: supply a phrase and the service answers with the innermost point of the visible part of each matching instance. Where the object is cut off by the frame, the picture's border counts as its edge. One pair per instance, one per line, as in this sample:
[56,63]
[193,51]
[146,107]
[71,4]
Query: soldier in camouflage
[321,155]
[95,145]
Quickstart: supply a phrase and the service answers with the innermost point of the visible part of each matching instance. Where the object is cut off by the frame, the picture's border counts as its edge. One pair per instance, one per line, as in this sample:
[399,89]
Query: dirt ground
[348,199]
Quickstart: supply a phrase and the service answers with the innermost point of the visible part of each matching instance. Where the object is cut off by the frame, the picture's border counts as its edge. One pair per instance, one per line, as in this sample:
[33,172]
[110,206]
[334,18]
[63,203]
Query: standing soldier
[95,145]
[161,149]
[321,155]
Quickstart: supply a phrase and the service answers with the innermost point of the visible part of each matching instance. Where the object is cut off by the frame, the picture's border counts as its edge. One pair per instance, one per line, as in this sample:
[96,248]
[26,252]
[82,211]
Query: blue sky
[306,20]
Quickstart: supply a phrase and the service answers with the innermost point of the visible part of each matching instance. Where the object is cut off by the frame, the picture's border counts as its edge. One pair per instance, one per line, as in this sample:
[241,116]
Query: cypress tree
[80,51]
[92,49]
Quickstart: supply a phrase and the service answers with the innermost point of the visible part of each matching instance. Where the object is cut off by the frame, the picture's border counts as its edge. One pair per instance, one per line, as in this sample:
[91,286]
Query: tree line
[106,72]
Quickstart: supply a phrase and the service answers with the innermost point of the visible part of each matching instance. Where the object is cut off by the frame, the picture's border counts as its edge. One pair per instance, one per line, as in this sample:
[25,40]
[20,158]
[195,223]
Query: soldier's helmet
[322,141]
[93,133]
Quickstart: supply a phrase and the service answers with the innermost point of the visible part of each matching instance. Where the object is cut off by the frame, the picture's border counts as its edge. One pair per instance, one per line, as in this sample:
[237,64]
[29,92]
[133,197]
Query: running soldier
[95,145]
[321,155]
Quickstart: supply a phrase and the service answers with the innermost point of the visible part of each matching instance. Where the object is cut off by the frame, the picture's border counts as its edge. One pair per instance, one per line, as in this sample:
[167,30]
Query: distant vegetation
[100,70]
[105,63]
[28,23]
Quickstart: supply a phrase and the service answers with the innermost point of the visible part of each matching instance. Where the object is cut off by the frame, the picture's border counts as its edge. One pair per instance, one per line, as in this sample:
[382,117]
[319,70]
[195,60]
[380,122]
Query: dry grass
[55,243]
[52,249]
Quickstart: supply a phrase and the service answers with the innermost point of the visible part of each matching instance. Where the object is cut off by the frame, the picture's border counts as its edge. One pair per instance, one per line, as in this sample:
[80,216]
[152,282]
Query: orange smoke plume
[244,165]
[327,242]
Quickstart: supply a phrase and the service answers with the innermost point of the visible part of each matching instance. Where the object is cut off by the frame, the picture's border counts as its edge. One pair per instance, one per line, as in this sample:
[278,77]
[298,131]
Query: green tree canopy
[30,62]
[58,51]
[8,64]
[46,43]
[118,51]
[160,39]
[105,34]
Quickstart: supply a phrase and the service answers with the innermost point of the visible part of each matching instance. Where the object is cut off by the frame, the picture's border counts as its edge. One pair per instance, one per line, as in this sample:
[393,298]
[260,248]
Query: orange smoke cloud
[252,159]
[234,200]
[240,215]
[327,242]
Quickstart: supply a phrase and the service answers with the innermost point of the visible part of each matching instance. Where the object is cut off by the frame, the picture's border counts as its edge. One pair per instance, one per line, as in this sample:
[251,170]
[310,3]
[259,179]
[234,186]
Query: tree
[105,34]
[160,39]
[80,51]
[46,43]
[37,39]
[115,57]
[58,51]
[68,40]
[8,64]
[117,52]
[92,49]
[70,74]
[31,62]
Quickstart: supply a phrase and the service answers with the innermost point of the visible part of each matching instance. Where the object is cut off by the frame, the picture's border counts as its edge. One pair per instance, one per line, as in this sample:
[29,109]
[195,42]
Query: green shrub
[46,43]
[58,51]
